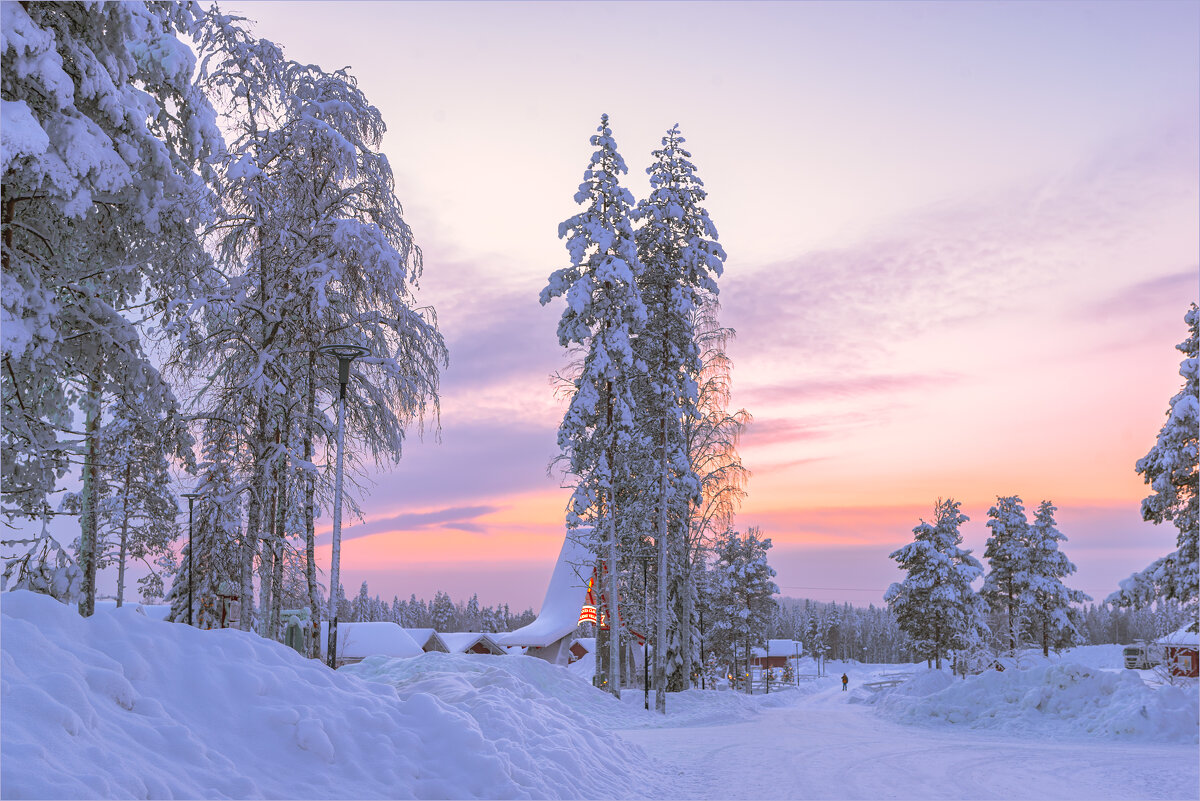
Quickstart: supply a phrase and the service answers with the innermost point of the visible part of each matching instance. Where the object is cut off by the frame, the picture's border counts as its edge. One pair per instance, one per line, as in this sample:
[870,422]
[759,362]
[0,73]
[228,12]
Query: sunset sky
[961,237]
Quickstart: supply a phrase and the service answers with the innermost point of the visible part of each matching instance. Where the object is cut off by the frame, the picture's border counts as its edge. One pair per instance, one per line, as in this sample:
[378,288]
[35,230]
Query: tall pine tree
[603,310]
[1051,609]
[935,604]
[677,245]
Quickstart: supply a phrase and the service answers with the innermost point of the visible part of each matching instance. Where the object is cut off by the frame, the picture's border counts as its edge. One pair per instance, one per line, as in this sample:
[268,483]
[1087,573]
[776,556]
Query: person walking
[845,681]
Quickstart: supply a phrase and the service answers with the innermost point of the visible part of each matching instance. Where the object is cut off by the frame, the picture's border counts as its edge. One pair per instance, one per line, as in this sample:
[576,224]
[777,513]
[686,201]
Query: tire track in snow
[824,747]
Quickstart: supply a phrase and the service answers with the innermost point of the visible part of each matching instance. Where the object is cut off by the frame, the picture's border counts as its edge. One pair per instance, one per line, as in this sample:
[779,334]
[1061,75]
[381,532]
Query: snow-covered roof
[360,640]
[779,648]
[459,642]
[564,597]
[587,643]
[1181,637]
[423,637]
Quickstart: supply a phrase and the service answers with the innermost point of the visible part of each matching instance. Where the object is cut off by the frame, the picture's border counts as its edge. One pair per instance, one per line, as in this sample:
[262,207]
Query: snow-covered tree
[215,543]
[934,604]
[677,246]
[1172,469]
[41,564]
[312,248]
[101,198]
[603,310]
[1052,611]
[1006,587]
[740,600]
[442,612]
[711,438]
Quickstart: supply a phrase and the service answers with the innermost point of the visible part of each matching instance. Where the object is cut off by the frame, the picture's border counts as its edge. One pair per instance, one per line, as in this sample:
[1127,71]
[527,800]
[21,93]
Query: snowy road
[826,748]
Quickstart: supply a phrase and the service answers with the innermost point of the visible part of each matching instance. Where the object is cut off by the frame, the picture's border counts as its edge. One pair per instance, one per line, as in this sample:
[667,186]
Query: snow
[559,614]
[152,611]
[1181,637]
[788,648]
[1050,699]
[360,640]
[121,705]
[458,642]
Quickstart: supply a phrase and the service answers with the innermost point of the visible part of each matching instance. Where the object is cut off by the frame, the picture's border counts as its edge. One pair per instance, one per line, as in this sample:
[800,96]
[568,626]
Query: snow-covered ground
[123,706]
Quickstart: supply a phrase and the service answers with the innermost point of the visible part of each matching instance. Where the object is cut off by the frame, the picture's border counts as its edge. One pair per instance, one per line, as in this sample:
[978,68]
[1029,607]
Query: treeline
[442,613]
[872,634]
[841,631]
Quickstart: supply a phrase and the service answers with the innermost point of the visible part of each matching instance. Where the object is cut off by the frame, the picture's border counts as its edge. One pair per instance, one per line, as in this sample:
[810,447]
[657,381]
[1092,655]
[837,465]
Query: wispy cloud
[459,518]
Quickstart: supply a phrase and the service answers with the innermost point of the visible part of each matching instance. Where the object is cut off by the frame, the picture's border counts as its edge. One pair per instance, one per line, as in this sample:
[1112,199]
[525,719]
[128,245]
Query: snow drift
[122,706]
[1057,699]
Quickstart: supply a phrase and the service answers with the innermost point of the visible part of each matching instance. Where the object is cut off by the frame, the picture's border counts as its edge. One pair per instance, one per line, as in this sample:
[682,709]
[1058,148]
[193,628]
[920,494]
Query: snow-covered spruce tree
[741,597]
[100,199]
[677,245]
[1172,471]
[215,546]
[1052,620]
[934,604]
[1006,587]
[603,309]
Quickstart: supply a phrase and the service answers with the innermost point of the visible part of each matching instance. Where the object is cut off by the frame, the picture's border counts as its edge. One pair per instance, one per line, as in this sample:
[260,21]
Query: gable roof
[429,640]
[360,640]
[564,597]
[459,642]
[779,648]
[1181,637]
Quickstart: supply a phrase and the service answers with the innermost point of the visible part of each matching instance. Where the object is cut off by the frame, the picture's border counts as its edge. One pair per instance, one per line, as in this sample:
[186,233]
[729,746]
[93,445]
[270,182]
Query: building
[429,640]
[472,642]
[1181,652]
[550,636]
[357,641]
[776,654]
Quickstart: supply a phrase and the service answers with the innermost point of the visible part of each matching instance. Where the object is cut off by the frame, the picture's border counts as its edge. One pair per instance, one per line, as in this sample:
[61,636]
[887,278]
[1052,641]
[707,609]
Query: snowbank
[1055,698]
[548,722]
[122,706]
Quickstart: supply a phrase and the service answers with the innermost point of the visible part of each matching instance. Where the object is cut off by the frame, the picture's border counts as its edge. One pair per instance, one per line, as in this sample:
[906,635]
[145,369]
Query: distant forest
[441,613]
[836,631]
[871,634]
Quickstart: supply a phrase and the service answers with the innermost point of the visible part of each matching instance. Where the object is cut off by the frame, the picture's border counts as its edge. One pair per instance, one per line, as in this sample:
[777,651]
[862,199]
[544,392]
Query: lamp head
[345,354]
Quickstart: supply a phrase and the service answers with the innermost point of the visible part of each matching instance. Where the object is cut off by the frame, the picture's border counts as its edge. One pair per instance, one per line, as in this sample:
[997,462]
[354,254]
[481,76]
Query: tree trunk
[614,618]
[89,550]
[310,500]
[280,545]
[603,663]
[660,644]
[685,625]
[254,518]
[123,551]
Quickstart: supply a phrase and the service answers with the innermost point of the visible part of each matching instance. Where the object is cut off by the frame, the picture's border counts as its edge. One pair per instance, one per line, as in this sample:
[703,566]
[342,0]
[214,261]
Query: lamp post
[345,354]
[191,496]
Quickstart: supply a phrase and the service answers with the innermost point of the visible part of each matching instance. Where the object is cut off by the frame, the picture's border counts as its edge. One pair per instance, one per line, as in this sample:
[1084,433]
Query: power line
[830,589]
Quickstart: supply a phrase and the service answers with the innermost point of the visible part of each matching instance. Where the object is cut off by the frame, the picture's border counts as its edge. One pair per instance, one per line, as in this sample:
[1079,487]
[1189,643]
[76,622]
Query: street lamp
[345,354]
[191,496]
